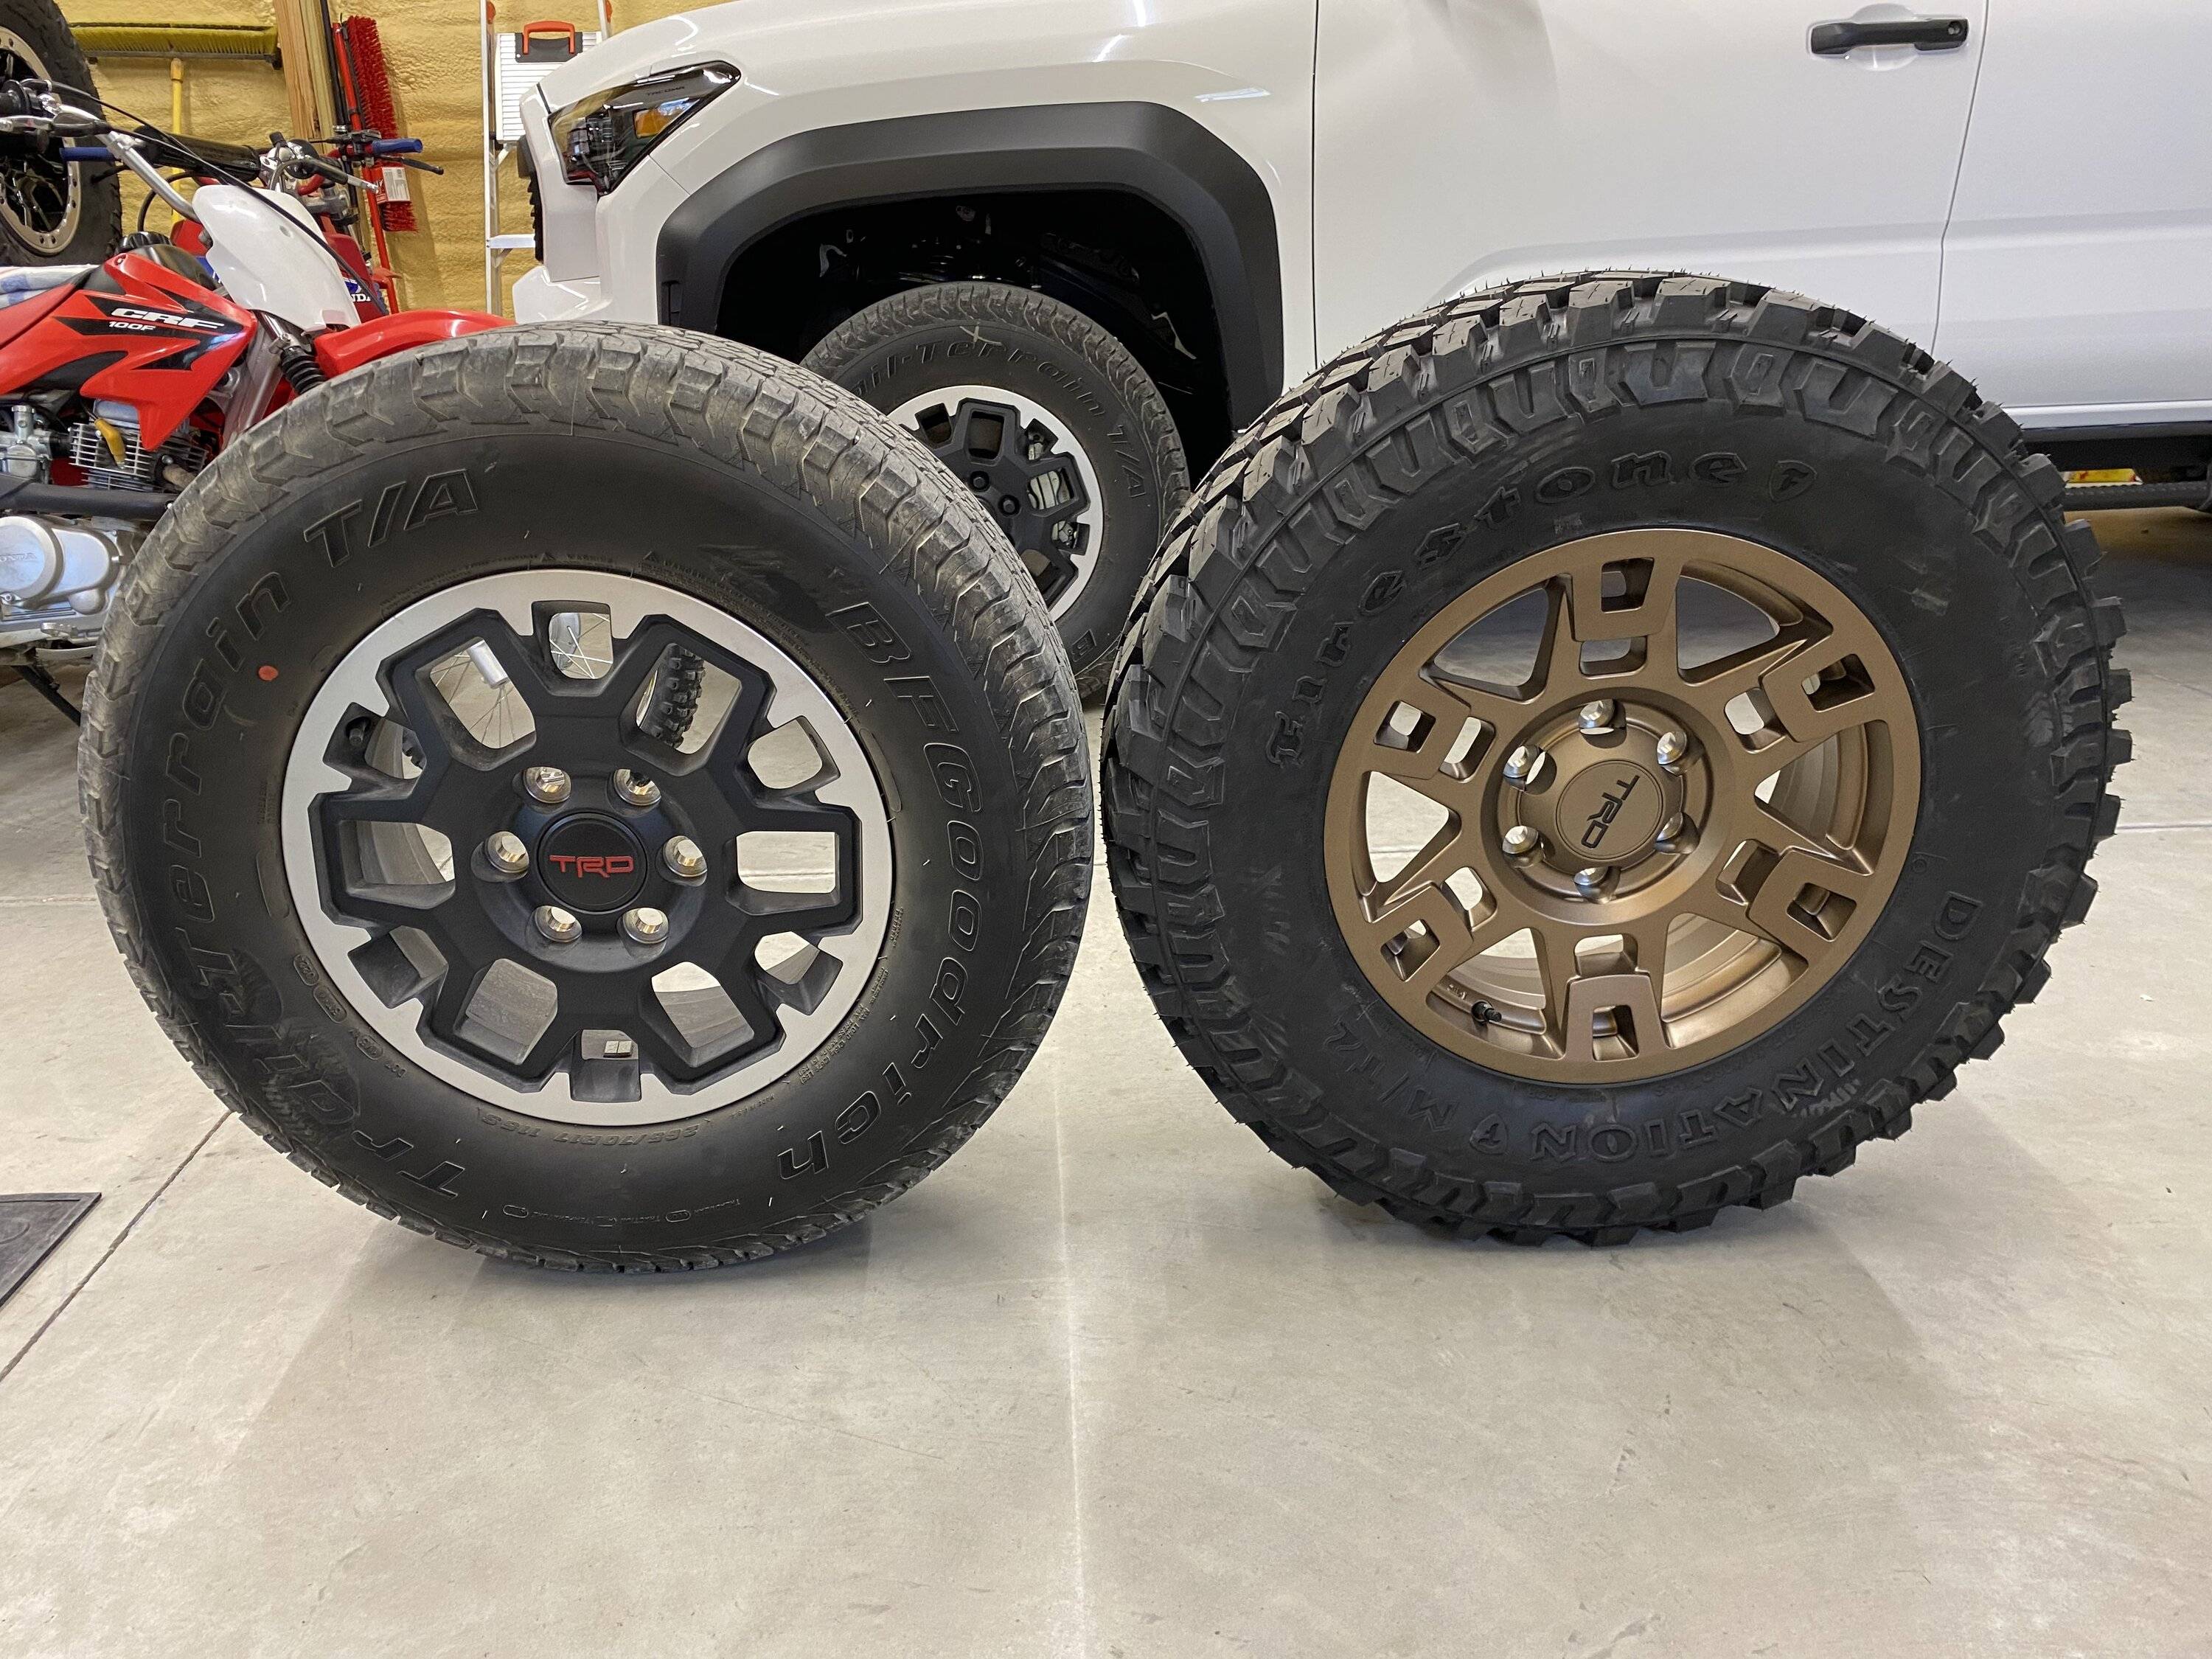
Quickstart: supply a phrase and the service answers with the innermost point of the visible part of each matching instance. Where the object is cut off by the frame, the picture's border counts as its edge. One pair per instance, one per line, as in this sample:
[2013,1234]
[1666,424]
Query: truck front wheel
[1047,419]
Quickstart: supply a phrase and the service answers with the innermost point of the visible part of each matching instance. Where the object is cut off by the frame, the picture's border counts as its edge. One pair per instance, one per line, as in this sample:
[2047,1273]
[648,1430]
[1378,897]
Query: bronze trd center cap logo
[1610,812]
[591,863]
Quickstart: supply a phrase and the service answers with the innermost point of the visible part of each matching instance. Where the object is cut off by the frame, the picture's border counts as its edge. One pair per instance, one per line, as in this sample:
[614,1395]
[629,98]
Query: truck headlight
[603,136]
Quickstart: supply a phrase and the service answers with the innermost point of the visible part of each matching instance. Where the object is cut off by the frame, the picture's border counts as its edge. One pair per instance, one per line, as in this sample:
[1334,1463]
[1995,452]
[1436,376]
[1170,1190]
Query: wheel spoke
[380,800]
[1645,611]
[428,694]
[1712,686]
[1807,723]
[748,985]
[559,1040]
[1559,674]
[1423,760]
[1647,944]
[724,754]
[1458,938]
[1557,968]
[386,905]
[1453,848]
[663,1046]
[1776,833]
[449,1002]
[804,914]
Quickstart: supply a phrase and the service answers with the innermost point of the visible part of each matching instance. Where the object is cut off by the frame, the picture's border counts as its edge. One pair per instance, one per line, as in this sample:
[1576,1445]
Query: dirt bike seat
[22,289]
[21,283]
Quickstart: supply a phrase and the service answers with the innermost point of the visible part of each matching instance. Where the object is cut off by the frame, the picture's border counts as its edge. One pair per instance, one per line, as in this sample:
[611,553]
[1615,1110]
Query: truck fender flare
[1145,150]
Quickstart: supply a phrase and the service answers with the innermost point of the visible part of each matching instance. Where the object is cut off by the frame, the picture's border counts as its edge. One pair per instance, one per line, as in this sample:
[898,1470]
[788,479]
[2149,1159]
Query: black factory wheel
[1009,450]
[528,966]
[528,892]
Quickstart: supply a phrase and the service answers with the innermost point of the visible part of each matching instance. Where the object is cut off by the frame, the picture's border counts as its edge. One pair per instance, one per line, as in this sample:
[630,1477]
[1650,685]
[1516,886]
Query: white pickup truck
[1080,244]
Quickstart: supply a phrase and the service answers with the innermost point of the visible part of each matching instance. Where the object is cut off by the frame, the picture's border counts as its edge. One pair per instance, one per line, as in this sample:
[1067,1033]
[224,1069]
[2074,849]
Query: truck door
[2077,268]
[1459,143]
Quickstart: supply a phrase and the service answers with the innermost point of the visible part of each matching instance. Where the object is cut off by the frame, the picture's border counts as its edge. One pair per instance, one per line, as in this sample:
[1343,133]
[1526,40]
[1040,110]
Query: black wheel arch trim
[1146,149]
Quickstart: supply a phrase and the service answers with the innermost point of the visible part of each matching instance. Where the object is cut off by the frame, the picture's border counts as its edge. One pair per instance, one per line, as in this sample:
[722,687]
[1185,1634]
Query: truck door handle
[1927,33]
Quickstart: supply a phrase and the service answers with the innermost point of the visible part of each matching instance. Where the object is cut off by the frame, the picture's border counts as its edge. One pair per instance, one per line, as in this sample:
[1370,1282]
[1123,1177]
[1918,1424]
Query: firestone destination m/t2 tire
[1606,747]
[376,819]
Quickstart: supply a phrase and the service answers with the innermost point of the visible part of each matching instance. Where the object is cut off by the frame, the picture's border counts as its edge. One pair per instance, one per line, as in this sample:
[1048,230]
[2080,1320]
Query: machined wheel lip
[516,597]
[50,240]
[1877,755]
[1092,517]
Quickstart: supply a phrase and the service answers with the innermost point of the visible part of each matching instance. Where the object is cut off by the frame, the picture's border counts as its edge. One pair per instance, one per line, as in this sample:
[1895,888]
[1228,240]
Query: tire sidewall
[212,714]
[1987,814]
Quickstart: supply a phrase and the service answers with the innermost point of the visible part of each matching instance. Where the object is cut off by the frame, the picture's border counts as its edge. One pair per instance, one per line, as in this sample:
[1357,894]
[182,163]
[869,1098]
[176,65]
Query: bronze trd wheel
[1606,749]
[1639,863]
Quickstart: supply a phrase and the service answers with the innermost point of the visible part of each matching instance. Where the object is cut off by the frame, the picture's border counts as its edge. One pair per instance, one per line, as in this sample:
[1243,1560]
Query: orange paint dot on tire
[267,671]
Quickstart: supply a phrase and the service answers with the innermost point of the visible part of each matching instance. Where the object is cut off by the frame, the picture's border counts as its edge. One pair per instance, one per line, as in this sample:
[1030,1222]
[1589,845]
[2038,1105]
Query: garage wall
[430,48]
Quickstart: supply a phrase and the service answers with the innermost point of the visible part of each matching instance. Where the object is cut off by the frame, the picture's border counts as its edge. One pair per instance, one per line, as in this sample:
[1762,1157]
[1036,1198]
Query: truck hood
[711,35]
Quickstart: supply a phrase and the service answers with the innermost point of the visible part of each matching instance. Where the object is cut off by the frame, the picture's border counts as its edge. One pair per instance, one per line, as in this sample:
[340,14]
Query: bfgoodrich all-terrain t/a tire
[1606,747]
[377,822]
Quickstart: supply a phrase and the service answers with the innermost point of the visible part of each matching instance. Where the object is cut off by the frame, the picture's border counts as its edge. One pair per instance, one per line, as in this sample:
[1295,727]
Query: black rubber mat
[31,1224]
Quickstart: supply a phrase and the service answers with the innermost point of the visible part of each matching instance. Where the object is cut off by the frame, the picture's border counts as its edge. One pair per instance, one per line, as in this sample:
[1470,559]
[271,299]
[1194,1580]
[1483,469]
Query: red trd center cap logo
[591,863]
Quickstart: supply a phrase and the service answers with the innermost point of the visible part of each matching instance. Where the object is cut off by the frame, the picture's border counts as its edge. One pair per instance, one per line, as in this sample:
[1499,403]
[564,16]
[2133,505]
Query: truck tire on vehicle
[53,212]
[1606,747]
[1047,419]
[376,820]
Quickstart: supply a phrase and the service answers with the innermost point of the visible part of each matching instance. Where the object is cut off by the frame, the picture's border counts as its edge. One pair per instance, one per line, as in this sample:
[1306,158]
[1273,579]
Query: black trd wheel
[53,212]
[1605,748]
[1047,419]
[378,819]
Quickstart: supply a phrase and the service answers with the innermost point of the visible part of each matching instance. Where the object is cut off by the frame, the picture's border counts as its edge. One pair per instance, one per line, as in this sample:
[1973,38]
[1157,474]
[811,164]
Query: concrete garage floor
[1116,1383]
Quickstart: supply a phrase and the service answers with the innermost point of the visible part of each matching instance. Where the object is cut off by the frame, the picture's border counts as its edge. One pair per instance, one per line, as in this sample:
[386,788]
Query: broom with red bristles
[366,85]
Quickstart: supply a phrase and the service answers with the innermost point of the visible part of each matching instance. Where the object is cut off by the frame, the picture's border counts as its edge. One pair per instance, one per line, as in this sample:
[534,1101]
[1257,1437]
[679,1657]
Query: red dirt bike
[119,381]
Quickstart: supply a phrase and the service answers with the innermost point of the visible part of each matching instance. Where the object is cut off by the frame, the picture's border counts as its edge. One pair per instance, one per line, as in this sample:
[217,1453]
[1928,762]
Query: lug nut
[1521,840]
[557,925]
[548,786]
[637,791]
[979,481]
[1590,879]
[1673,830]
[506,854]
[644,925]
[1674,746]
[1523,764]
[1595,716]
[683,859]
